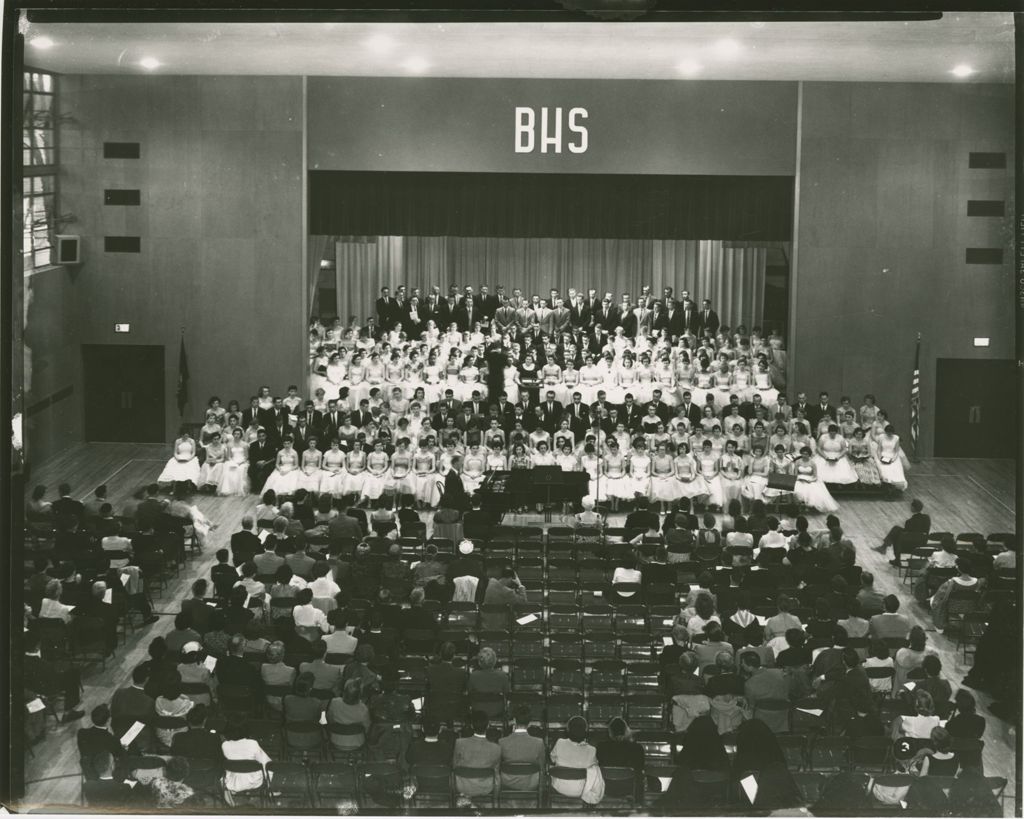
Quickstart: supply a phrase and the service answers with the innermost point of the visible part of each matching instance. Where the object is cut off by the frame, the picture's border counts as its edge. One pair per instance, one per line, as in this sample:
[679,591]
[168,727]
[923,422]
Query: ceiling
[889,51]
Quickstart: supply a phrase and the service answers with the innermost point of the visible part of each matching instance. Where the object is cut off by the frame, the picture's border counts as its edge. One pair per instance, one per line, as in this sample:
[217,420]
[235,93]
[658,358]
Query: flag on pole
[182,377]
[915,399]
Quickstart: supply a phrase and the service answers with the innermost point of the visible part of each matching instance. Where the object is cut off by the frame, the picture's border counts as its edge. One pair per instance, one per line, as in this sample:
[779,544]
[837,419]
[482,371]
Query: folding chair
[810,785]
[561,570]
[631,619]
[642,678]
[622,787]
[563,594]
[303,740]
[658,777]
[481,775]
[606,677]
[869,754]
[563,618]
[657,745]
[556,799]
[566,647]
[565,677]
[433,786]
[332,781]
[377,777]
[645,711]
[794,748]
[599,645]
[528,674]
[635,648]
[288,785]
[520,769]
[561,708]
[248,766]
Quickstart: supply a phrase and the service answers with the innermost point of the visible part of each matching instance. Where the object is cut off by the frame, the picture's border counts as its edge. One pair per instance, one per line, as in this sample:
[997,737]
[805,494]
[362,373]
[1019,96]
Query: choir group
[657,400]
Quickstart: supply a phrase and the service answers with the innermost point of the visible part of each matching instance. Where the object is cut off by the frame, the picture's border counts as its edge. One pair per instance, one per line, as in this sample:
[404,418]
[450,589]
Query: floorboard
[960,495]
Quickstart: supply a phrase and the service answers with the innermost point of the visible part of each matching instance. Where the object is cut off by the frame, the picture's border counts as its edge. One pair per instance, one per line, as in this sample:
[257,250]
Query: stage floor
[961,495]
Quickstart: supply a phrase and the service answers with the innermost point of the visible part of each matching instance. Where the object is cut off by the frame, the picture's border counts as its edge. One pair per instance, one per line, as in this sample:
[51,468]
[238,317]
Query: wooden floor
[961,495]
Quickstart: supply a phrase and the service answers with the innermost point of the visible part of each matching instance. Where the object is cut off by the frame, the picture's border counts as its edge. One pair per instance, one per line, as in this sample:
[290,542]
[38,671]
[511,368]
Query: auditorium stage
[965,495]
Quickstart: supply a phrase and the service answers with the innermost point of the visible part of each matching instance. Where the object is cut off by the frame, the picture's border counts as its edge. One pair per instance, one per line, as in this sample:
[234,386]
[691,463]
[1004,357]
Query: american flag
[915,400]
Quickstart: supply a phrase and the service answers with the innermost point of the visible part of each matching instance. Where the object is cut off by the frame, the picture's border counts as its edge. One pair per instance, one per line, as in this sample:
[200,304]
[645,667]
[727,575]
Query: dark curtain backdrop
[733,278]
[560,206]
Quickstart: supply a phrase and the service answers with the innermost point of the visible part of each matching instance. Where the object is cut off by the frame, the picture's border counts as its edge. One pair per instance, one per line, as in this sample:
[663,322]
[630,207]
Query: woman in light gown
[213,466]
[520,458]
[591,379]
[234,478]
[542,455]
[758,468]
[452,367]
[190,513]
[665,379]
[567,460]
[780,462]
[320,400]
[640,470]
[703,382]
[810,489]
[723,382]
[403,482]
[868,412]
[333,466]
[284,480]
[665,488]
[570,376]
[709,468]
[184,464]
[625,381]
[219,413]
[424,466]
[591,464]
[209,429]
[742,380]
[732,469]
[563,437]
[432,377]
[474,465]
[310,470]
[889,458]
[357,387]
[355,471]
[496,460]
[833,464]
[763,385]
[377,480]
[848,424]
[800,439]
[551,379]
[644,388]
[863,459]
[470,379]
[293,403]
[614,484]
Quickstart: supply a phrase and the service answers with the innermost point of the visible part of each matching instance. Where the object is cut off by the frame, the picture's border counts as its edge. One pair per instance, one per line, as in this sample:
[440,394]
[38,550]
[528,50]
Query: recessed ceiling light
[727,48]
[149,63]
[415,65]
[689,68]
[962,70]
[380,43]
[41,42]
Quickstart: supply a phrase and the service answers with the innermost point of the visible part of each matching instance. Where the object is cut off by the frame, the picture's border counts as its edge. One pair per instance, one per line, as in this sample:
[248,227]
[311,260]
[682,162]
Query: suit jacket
[233,670]
[197,743]
[486,305]
[552,415]
[644,318]
[708,320]
[769,684]
[631,415]
[628,320]
[466,318]
[268,418]
[504,318]
[580,315]
[884,626]
[475,752]
[131,703]
[244,546]
[692,414]
[388,312]
[815,413]
[454,495]
[314,420]
[250,414]
[519,746]
[918,522]
[68,508]
[691,317]
[344,526]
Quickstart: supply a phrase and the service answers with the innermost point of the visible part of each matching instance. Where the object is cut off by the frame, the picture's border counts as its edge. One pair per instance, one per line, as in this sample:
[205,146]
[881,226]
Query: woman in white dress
[357,387]
[665,380]
[377,478]
[591,379]
[542,455]
[742,380]
[644,388]
[665,489]
[184,464]
[424,466]
[234,479]
[403,483]
[469,380]
[614,484]
[567,460]
[763,385]
[209,429]
[625,383]
[810,489]
[284,480]
[213,466]
[311,463]
[709,468]
[355,471]
[640,470]
[332,466]
[474,465]
[732,468]
[781,463]
[703,382]
[758,468]
[432,377]
[551,379]
[833,464]
[889,458]
[591,464]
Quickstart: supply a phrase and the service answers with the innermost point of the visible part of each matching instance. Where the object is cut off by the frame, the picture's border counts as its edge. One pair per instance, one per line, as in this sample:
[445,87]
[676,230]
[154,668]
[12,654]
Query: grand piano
[503,490]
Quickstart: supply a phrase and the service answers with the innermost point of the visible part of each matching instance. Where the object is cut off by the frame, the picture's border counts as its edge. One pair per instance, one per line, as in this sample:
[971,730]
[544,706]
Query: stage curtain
[733,278]
[556,206]
[316,246]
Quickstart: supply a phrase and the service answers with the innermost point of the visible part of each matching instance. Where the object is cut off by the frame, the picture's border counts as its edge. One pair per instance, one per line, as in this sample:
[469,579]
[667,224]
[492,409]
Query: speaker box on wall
[69,249]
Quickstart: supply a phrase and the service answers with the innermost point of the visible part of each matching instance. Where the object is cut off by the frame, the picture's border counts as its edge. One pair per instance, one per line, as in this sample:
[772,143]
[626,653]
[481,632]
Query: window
[39,158]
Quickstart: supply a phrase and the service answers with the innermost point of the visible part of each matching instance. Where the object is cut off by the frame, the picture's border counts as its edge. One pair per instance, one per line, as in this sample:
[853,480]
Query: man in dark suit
[434,747]
[608,316]
[486,303]
[505,316]
[580,313]
[630,413]
[106,792]
[552,412]
[48,677]
[691,318]
[301,434]
[102,613]
[820,410]
[708,318]
[661,409]
[251,413]
[466,314]
[275,416]
[197,741]
[446,686]
[388,309]
[132,704]
[689,410]
[234,670]
[245,545]
[917,522]
[262,457]
[579,415]
[454,495]
[448,406]
[313,418]
[343,527]
[362,416]
[801,405]
[96,740]
[627,317]
[330,421]
[66,506]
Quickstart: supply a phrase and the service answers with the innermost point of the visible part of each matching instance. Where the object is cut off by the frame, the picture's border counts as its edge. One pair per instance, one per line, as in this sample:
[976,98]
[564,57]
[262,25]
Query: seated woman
[889,458]
[833,464]
[183,467]
[964,581]
[810,489]
[234,478]
[573,751]
[863,459]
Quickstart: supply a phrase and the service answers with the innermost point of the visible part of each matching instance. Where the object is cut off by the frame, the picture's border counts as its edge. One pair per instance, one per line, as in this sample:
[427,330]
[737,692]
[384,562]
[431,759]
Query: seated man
[917,522]
[890,623]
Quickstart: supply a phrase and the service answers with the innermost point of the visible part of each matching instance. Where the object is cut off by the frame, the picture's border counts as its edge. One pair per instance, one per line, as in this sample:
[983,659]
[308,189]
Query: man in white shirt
[323,585]
[306,615]
[772,539]
[117,543]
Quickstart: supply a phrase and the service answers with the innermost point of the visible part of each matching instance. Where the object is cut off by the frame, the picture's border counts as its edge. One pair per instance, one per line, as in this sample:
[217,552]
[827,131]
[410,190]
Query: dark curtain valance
[583,206]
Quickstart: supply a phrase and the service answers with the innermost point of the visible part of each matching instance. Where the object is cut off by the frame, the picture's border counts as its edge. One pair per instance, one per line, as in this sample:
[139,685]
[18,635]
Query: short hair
[417,596]
[304,596]
[304,683]
[351,692]
[917,639]
[522,714]
[867,579]
[751,659]
[795,637]
[447,652]
[486,658]
[431,727]
[199,587]
[275,652]
[236,644]
[932,665]
[183,620]
[891,603]
[222,555]
[713,632]
[479,720]
[916,505]
[100,715]
[140,674]
[247,522]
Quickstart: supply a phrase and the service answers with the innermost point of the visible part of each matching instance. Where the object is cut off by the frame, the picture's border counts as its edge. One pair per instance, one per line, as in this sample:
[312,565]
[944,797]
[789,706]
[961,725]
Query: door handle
[974,415]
